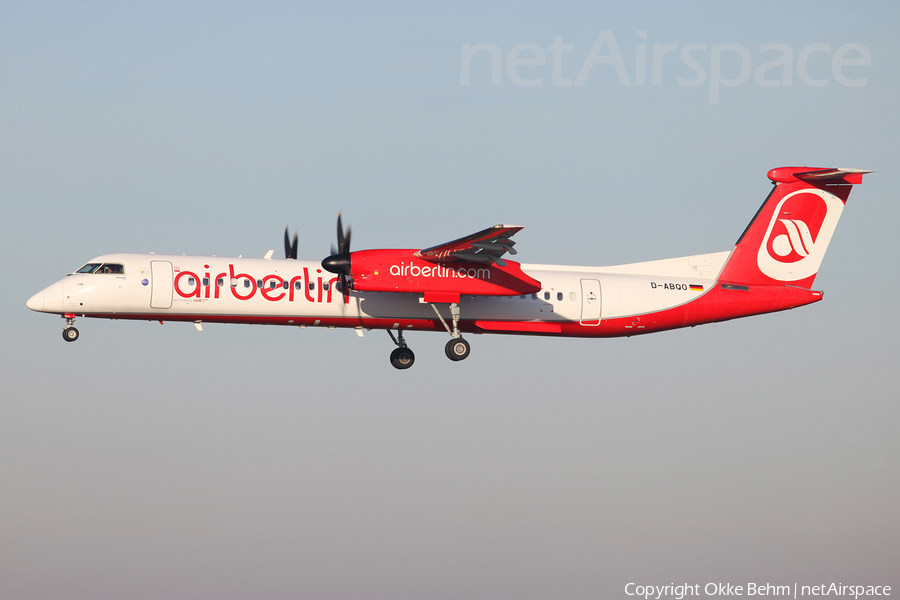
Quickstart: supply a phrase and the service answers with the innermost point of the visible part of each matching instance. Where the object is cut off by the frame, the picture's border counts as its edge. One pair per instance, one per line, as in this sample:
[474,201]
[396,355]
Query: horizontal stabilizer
[816,176]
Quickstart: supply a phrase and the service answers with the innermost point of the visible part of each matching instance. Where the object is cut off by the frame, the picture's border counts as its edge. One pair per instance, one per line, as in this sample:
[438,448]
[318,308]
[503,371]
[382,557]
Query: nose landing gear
[69,333]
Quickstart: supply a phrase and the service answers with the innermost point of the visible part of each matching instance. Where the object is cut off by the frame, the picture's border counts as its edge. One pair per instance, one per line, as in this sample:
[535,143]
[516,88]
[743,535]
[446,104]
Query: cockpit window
[89,268]
[111,268]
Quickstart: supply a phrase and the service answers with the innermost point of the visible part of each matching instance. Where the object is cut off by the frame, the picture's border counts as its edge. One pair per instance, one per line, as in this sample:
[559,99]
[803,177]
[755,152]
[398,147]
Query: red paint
[216,283]
[742,265]
[292,285]
[402,271]
[195,293]
[520,326]
[718,304]
[234,288]
[306,285]
[818,175]
[441,297]
[268,293]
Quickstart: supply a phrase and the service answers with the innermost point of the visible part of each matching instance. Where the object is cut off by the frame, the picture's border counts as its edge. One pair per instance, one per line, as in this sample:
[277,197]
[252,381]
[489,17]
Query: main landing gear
[402,357]
[456,349]
[69,333]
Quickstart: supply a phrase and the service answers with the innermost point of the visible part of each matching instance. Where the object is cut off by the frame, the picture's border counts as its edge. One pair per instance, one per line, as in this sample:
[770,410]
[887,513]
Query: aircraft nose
[36,302]
[49,299]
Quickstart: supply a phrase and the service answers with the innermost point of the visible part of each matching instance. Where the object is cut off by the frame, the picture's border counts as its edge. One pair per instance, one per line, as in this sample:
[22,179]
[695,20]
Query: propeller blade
[345,250]
[340,235]
[339,260]
[290,249]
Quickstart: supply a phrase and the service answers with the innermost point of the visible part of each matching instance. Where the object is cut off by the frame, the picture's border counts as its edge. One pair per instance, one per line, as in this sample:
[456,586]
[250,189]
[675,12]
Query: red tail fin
[786,240]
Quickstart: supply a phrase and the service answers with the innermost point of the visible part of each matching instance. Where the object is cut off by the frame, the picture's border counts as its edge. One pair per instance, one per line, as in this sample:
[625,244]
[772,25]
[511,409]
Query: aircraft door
[590,302]
[161,289]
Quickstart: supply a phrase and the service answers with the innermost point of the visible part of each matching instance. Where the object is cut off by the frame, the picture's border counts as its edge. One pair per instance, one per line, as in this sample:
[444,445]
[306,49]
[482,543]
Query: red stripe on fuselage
[718,304]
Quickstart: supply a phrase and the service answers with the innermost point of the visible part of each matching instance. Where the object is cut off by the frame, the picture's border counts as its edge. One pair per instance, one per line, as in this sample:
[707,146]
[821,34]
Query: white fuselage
[299,292]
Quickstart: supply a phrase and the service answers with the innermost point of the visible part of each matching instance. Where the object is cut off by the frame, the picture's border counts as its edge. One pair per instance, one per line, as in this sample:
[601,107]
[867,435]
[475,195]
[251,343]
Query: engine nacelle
[402,271]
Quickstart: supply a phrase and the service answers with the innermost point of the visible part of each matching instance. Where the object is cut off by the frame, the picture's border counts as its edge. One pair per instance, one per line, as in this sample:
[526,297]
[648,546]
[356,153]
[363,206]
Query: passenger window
[220,282]
[259,283]
[534,296]
[546,295]
[272,284]
[312,286]
[298,285]
[559,295]
[206,281]
[191,281]
[285,285]
[246,283]
[572,296]
[325,286]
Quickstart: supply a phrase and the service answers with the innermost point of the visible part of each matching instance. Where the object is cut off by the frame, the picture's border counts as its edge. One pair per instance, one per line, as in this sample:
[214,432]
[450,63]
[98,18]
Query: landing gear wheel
[402,358]
[70,334]
[457,349]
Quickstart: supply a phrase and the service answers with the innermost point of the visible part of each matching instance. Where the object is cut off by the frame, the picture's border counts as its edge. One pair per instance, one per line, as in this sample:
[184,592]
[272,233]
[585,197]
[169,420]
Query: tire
[457,349]
[402,358]
[70,334]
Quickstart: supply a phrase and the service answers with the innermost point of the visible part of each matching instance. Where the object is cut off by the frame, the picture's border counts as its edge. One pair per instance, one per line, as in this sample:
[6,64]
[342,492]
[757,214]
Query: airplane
[467,286]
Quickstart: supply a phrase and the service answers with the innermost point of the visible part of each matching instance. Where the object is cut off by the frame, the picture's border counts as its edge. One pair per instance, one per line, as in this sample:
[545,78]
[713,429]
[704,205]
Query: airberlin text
[244,286]
[680,591]
[414,270]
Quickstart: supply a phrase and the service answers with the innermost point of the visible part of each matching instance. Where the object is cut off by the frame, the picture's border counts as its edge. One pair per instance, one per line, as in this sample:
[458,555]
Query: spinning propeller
[290,249]
[339,261]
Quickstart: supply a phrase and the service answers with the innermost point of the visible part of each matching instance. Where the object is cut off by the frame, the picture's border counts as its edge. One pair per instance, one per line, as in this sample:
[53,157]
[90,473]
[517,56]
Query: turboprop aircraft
[466,286]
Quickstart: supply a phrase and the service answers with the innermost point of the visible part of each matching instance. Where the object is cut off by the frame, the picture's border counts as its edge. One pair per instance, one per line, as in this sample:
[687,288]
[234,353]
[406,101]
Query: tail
[785,242]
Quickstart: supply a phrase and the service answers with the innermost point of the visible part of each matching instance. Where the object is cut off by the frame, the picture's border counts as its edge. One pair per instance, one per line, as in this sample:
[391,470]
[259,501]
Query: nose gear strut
[69,333]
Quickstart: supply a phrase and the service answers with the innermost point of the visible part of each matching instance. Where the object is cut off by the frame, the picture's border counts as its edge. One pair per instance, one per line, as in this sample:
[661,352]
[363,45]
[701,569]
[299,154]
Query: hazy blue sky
[149,461]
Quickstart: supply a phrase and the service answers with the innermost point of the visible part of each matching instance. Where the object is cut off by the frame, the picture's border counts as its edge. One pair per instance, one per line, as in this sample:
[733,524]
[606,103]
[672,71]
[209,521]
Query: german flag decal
[696,288]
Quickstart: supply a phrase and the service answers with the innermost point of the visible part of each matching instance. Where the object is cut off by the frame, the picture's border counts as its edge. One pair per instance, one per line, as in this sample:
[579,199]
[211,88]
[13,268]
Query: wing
[486,246]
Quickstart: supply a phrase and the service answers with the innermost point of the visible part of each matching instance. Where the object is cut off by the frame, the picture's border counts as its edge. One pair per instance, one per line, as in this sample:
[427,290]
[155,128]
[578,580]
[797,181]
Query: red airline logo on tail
[798,234]
[798,223]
